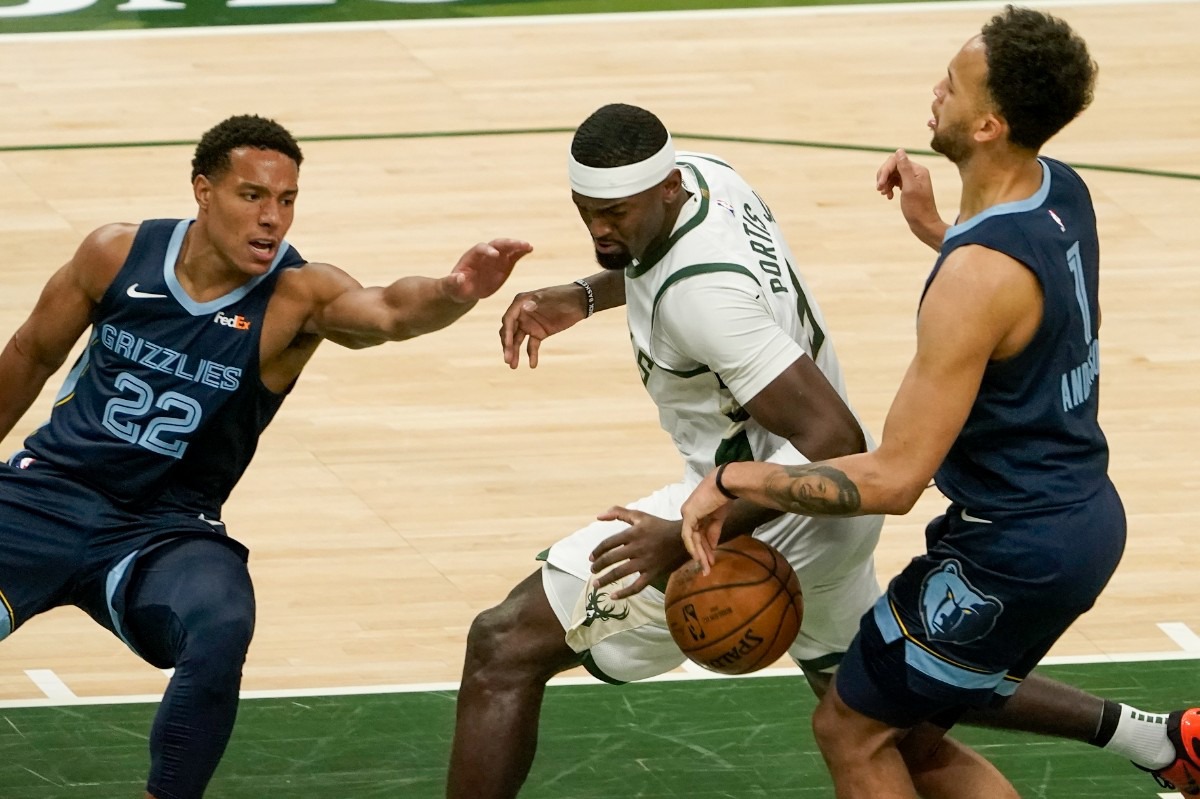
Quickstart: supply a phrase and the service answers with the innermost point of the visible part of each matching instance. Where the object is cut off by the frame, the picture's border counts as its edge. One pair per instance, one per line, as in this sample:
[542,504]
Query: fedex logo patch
[238,322]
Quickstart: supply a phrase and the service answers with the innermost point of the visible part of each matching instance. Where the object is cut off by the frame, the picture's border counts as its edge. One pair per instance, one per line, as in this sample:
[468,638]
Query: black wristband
[591,296]
[721,486]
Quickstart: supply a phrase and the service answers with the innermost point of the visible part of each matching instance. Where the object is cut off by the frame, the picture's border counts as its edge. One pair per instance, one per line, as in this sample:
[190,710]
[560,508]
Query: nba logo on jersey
[238,322]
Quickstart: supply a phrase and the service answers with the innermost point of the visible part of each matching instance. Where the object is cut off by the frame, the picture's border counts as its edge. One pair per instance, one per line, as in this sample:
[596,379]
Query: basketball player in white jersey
[734,353]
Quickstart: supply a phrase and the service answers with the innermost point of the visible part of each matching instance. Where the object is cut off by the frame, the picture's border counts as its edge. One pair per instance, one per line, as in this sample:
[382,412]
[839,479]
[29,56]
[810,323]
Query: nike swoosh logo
[966,517]
[132,291]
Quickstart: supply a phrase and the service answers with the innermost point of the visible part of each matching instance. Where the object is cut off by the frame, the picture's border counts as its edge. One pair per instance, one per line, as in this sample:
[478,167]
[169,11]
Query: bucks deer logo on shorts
[953,610]
[595,611]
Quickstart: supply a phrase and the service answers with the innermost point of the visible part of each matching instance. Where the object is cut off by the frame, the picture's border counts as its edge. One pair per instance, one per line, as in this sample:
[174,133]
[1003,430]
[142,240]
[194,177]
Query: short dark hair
[1039,73]
[618,135]
[245,130]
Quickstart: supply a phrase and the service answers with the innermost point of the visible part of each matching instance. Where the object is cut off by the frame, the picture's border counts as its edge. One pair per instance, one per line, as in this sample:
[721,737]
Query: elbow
[836,441]
[900,498]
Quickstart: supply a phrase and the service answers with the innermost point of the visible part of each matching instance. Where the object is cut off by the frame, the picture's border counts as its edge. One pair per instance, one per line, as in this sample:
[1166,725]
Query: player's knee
[215,644]
[506,645]
[832,726]
[493,639]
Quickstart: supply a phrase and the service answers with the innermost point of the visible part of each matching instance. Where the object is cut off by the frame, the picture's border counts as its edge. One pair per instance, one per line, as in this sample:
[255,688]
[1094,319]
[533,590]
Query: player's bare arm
[62,313]
[533,316]
[916,197]
[412,306]
[982,306]
[801,406]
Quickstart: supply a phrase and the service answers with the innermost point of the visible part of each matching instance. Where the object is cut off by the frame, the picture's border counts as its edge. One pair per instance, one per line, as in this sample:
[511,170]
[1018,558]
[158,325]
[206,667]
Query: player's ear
[202,189]
[673,184]
[991,128]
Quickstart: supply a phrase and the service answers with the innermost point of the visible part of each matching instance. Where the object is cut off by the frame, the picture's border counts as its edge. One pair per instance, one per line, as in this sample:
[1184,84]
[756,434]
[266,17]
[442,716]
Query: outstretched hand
[536,315]
[650,547]
[916,196]
[482,270]
[704,515]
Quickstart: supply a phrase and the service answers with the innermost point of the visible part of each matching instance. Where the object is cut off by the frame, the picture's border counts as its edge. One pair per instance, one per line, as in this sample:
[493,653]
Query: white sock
[1142,737]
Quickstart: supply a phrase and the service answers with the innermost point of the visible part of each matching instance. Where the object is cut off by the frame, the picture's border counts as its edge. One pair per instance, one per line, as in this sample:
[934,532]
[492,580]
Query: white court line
[1170,796]
[693,668]
[252,29]
[1181,634]
[52,686]
[361,690]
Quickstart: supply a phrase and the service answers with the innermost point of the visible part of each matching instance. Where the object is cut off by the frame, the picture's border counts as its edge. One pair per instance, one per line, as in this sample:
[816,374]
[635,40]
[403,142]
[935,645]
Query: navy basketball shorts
[62,543]
[963,624]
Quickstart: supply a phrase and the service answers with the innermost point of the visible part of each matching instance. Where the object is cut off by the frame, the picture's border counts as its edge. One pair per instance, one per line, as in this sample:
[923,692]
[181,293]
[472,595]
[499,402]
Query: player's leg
[190,605]
[42,520]
[941,767]
[1048,707]
[512,651]
[862,754]
[872,729]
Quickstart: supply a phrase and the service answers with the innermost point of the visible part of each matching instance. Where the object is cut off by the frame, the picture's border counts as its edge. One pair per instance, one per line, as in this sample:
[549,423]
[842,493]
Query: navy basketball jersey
[1032,439]
[165,404]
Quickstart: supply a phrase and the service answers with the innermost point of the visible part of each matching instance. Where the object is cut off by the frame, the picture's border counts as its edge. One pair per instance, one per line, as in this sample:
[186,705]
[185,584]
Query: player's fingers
[889,186]
[616,573]
[513,351]
[531,349]
[608,558]
[689,537]
[706,557]
[884,173]
[510,324]
[512,248]
[637,586]
[617,512]
[609,551]
[906,168]
[704,545]
[711,540]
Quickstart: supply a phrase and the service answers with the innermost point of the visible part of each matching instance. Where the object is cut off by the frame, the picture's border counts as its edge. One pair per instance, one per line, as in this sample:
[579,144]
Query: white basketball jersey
[725,282]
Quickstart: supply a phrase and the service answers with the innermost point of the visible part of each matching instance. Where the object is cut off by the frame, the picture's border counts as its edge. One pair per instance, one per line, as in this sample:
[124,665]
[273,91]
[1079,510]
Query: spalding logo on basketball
[743,615]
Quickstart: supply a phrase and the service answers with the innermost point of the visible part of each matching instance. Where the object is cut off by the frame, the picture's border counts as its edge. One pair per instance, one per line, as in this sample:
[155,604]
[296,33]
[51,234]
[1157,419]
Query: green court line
[448,134]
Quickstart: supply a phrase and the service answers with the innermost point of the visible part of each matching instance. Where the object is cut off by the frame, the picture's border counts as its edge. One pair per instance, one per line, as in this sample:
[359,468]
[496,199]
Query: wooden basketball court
[403,489]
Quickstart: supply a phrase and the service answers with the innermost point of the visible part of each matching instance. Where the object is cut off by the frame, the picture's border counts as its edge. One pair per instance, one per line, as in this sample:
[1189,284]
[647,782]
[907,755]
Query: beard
[617,259]
[952,143]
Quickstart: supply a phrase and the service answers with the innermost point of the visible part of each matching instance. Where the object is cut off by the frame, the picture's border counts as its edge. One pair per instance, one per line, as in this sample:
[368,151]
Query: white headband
[621,181]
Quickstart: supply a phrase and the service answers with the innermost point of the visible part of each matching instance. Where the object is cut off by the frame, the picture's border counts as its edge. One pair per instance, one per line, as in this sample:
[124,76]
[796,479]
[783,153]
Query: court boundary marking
[448,134]
[62,700]
[386,25]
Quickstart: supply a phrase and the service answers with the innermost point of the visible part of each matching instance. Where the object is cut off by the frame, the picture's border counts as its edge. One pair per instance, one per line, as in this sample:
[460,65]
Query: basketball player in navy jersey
[999,406]
[199,329]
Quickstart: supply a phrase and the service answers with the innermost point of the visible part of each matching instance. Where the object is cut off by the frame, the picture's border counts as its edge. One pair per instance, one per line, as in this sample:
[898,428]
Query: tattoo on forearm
[816,491]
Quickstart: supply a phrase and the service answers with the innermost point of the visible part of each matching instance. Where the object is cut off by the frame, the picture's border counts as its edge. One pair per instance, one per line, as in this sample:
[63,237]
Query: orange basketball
[743,615]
